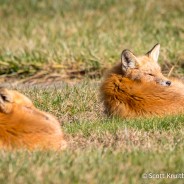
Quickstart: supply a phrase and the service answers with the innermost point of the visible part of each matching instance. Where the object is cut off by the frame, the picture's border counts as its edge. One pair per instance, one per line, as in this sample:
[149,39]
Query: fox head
[13,103]
[143,68]
[10,98]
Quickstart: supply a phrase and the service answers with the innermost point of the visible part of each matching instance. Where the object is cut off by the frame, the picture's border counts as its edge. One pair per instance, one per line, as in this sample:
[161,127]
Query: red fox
[23,126]
[136,87]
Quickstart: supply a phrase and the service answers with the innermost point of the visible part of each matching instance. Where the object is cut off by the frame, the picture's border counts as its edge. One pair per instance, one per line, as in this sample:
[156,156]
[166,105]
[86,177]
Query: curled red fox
[136,87]
[22,125]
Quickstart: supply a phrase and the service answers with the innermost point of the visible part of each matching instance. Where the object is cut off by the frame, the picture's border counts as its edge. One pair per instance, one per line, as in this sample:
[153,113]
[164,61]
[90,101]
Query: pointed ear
[154,52]
[128,60]
[5,100]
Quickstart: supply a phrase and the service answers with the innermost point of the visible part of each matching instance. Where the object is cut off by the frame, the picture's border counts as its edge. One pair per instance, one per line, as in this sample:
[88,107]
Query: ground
[56,52]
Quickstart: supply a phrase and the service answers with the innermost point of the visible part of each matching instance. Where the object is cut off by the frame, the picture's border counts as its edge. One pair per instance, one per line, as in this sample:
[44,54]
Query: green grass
[88,166]
[84,34]
[61,36]
[100,149]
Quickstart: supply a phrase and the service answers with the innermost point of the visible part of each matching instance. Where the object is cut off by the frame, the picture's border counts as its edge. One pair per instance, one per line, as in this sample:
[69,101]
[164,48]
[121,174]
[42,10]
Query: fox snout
[168,83]
[164,82]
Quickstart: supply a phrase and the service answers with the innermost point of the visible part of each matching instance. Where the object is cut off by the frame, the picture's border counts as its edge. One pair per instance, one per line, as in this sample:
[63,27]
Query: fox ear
[154,52]
[128,60]
[5,100]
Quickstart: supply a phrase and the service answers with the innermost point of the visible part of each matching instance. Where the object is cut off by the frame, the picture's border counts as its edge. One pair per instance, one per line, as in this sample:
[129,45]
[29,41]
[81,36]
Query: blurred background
[68,40]
[71,43]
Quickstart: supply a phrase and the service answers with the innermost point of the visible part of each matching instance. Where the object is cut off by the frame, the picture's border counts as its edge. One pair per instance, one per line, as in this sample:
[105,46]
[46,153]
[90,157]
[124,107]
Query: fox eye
[150,74]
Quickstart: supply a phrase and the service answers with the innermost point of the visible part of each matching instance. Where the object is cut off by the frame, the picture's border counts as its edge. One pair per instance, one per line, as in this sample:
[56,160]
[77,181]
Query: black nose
[168,83]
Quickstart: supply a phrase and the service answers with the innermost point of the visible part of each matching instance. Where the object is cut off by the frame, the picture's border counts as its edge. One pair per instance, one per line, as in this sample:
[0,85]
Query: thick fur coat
[137,88]
[24,126]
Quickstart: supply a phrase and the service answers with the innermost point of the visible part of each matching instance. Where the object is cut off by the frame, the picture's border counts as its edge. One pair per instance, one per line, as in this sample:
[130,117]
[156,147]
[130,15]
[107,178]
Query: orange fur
[140,90]
[24,126]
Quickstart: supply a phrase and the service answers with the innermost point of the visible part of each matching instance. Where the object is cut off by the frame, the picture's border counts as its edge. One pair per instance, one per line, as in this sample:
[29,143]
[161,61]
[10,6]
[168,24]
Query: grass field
[78,40]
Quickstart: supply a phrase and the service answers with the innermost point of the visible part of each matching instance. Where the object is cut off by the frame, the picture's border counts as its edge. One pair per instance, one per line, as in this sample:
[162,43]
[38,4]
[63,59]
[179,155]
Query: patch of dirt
[50,76]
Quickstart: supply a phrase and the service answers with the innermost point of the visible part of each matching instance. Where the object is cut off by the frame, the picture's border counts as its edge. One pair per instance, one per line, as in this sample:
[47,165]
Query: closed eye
[150,74]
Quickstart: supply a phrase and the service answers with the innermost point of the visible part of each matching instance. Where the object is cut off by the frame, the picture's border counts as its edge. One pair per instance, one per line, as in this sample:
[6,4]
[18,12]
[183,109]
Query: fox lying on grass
[136,88]
[24,126]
